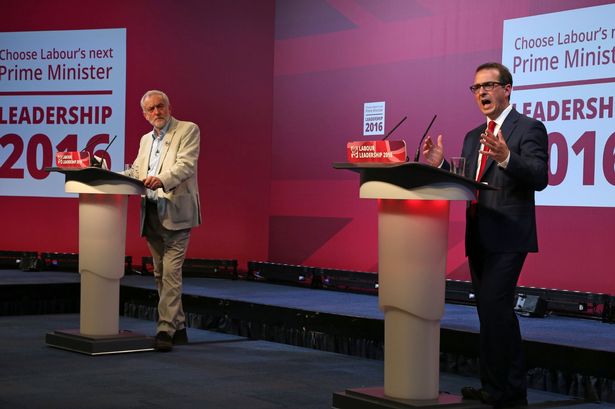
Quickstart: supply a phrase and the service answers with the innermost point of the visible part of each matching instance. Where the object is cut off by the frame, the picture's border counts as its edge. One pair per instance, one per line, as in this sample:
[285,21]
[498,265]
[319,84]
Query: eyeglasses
[487,86]
[159,107]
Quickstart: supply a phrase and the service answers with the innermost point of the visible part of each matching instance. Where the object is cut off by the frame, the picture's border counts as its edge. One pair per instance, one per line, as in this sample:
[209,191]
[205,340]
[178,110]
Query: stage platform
[214,370]
[574,357]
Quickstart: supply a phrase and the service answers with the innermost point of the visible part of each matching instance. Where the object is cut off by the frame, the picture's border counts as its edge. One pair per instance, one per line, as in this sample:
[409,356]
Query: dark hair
[505,75]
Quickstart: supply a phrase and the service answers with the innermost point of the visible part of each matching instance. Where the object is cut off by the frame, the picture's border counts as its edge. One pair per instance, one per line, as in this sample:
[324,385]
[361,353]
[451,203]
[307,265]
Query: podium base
[374,398]
[121,343]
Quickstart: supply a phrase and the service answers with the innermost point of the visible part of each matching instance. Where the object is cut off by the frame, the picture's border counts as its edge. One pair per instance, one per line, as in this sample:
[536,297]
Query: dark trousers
[502,362]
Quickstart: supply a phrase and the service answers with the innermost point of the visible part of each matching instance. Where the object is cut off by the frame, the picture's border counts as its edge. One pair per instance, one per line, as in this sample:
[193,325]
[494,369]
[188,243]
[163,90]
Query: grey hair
[154,92]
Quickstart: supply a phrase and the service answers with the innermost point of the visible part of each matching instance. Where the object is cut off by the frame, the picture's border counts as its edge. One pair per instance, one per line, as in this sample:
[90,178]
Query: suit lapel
[166,142]
[474,146]
[143,166]
[509,124]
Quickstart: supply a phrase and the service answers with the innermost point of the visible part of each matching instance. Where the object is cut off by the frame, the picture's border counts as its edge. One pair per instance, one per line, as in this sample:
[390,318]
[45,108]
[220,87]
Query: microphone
[93,141]
[392,130]
[95,162]
[418,150]
[115,136]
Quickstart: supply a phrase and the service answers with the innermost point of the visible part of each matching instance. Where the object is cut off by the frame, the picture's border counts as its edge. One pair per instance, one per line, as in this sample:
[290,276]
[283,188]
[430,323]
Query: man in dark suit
[508,152]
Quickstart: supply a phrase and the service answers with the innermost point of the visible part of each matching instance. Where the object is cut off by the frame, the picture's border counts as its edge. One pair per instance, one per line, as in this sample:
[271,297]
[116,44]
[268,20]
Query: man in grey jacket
[167,165]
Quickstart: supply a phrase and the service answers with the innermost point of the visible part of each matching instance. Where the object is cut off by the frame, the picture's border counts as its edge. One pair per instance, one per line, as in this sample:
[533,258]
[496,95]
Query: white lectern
[103,203]
[413,214]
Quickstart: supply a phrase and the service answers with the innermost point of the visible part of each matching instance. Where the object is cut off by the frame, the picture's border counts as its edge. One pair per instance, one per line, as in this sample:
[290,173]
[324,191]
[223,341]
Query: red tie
[483,159]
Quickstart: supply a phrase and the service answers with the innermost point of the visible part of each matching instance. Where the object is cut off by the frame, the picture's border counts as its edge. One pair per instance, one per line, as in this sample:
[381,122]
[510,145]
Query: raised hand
[433,152]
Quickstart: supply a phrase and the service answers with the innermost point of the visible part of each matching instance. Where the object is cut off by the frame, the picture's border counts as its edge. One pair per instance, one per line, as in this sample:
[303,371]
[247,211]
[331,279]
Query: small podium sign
[376,151]
[73,160]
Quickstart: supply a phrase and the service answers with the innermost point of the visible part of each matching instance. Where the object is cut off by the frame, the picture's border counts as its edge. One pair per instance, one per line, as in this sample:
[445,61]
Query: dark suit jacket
[504,220]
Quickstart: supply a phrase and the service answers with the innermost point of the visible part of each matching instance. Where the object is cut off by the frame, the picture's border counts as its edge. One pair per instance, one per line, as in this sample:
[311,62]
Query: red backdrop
[215,60]
[278,89]
[418,56]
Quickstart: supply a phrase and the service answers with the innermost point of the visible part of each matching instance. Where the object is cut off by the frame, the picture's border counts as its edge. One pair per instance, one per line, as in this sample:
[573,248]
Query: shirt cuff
[504,163]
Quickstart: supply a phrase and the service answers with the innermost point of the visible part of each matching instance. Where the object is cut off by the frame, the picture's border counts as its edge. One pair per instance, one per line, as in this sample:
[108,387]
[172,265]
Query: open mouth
[485,102]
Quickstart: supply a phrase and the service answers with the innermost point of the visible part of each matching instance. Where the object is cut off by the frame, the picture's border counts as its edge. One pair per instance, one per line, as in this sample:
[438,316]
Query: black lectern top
[92,174]
[409,175]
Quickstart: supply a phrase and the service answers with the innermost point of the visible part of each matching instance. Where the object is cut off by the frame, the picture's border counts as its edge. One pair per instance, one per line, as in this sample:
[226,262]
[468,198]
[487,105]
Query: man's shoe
[468,392]
[163,342]
[511,403]
[180,337]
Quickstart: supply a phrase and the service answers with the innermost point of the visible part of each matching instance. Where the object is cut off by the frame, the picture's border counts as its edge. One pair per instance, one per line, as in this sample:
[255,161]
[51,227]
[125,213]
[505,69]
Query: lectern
[413,216]
[103,203]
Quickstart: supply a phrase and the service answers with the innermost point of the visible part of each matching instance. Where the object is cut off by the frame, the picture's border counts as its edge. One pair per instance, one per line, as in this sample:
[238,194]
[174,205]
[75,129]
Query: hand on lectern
[433,152]
[152,182]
